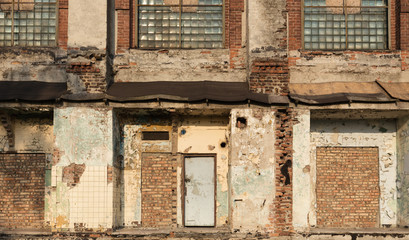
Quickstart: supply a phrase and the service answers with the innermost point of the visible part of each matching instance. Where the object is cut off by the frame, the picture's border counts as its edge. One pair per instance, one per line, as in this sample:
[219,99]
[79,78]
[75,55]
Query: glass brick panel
[359,25]
[33,23]
[193,24]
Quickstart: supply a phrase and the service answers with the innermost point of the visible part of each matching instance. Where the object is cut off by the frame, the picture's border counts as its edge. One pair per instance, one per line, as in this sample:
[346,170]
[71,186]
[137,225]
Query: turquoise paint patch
[47,178]
[252,182]
[222,198]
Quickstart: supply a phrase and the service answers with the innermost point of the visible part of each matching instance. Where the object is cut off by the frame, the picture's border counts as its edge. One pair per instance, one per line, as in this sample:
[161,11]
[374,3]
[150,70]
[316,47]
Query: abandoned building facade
[241,116]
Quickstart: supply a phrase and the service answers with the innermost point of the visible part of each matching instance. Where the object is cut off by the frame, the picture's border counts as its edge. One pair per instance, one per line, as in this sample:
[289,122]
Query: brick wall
[90,74]
[63,23]
[22,184]
[281,213]
[347,187]
[269,77]
[158,190]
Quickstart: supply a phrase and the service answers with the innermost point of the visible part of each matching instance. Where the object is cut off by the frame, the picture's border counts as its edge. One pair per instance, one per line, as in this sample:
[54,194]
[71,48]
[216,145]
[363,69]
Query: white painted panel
[199,195]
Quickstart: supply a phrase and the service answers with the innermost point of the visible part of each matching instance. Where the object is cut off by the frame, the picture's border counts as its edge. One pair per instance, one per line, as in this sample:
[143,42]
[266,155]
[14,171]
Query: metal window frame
[13,2]
[388,12]
[137,5]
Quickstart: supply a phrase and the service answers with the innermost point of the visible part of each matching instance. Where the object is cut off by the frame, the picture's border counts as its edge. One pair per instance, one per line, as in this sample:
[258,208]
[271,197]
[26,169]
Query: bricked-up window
[28,23]
[180,24]
[345,24]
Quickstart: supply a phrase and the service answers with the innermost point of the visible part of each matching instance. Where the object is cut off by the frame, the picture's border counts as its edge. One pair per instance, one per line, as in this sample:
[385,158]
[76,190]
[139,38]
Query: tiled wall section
[91,200]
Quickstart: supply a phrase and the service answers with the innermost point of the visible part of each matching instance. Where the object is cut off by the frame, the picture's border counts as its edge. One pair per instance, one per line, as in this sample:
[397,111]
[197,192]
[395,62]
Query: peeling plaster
[252,169]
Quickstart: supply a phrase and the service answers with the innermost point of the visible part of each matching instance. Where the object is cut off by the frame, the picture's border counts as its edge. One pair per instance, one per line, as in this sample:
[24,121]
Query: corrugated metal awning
[338,92]
[190,92]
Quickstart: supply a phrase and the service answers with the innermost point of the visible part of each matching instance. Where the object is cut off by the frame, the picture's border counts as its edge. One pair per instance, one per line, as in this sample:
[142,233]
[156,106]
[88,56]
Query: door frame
[183,188]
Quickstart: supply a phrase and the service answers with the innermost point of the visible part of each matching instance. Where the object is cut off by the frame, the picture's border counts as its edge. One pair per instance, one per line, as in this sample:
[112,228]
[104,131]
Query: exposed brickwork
[347,187]
[72,174]
[158,190]
[281,212]
[63,24]
[233,19]
[404,30]
[22,190]
[294,24]
[91,75]
[270,77]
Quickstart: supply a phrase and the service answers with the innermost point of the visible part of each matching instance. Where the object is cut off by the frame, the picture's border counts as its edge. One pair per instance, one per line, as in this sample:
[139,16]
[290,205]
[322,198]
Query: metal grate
[361,25]
[180,23]
[155,135]
[28,22]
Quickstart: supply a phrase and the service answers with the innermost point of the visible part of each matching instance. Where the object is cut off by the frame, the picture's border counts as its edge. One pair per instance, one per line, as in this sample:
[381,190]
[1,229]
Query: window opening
[28,23]
[345,24]
[180,24]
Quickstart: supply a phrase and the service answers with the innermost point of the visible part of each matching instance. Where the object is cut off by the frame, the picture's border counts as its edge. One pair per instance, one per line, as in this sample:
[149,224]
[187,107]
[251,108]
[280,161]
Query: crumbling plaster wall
[33,134]
[132,149]
[252,169]
[207,135]
[87,23]
[266,28]
[403,170]
[176,65]
[360,133]
[302,185]
[32,65]
[83,157]
[312,67]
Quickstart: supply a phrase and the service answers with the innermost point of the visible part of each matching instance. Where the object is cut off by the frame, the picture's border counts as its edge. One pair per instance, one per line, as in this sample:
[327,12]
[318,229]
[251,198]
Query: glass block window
[28,23]
[345,24]
[180,23]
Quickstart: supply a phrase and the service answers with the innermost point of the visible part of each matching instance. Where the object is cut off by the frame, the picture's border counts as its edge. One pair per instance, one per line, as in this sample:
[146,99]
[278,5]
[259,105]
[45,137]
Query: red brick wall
[22,186]
[269,77]
[63,24]
[90,74]
[347,187]
[404,24]
[281,217]
[158,190]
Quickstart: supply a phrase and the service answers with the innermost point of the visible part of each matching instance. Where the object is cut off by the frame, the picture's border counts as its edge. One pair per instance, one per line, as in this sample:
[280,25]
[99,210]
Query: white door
[199,191]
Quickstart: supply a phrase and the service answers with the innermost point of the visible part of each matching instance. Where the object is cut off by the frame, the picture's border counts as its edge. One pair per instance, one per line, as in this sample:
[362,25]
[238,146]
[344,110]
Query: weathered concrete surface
[302,185]
[176,65]
[346,66]
[208,135]
[87,23]
[403,170]
[359,133]
[31,134]
[87,149]
[40,64]
[266,27]
[252,168]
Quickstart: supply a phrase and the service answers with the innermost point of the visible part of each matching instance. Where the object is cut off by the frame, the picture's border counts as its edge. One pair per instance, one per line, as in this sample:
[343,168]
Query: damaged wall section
[82,169]
[253,169]
[361,133]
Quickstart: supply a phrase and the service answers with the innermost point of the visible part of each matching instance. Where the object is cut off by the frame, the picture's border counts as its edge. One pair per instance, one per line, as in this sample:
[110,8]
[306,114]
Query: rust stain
[61,221]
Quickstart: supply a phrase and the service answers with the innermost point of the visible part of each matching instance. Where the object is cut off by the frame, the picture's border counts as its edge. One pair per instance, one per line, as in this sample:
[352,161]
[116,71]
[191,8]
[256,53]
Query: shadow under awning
[190,92]
[31,90]
[338,92]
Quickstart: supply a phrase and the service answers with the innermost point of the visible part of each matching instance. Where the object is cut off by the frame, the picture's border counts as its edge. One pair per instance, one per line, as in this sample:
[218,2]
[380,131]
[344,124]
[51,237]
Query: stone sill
[360,231]
[32,232]
[170,231]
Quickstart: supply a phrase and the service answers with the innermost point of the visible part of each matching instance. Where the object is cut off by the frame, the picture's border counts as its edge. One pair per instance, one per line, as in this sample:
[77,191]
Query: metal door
[199,191]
